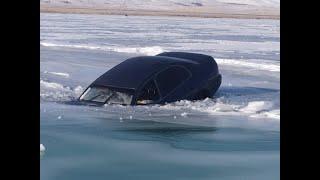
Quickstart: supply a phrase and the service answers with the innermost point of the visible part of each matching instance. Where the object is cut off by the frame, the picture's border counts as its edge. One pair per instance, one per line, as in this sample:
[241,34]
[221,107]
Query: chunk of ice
[42,148]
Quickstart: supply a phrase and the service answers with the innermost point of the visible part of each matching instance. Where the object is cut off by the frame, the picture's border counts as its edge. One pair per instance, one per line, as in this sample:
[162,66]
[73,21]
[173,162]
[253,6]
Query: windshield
[106,95]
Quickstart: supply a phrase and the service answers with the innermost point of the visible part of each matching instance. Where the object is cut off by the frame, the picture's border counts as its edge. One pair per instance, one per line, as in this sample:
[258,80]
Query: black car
[164,78]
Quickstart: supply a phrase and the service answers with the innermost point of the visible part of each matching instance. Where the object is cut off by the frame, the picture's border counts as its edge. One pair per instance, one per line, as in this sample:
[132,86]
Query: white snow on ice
[244,63]
[65,75]
[150,51]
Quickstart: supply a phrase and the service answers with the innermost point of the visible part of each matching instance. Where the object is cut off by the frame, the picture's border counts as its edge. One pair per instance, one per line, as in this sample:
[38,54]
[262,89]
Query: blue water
[236,135]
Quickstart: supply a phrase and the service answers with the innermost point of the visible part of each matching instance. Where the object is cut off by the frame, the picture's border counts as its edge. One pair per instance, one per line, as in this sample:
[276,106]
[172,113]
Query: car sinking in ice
[160,79]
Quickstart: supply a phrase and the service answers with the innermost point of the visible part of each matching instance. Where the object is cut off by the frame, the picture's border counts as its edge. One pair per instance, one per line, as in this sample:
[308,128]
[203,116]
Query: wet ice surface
[233,136]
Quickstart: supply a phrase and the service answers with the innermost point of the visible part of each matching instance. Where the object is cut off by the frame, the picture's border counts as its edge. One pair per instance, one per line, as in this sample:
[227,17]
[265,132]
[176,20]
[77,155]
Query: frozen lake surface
[236,135]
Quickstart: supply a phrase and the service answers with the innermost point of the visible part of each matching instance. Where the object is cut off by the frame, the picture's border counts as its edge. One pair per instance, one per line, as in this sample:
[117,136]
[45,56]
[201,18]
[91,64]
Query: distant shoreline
[143,12]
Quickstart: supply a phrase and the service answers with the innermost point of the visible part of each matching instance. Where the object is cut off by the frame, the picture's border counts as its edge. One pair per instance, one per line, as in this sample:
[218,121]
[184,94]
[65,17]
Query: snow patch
[52,85]
[65,75]
[254,65]
[149,51]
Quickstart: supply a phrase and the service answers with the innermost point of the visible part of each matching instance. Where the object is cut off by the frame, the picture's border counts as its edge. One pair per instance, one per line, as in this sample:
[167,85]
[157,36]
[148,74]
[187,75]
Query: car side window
[149,94]
[170,78]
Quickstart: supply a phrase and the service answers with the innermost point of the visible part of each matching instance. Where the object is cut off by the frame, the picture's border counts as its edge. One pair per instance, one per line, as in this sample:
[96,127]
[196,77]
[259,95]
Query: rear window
[170,78]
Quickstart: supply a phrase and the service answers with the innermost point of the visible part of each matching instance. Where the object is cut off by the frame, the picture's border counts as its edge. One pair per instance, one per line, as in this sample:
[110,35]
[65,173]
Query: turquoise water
[236,135]
[87,144]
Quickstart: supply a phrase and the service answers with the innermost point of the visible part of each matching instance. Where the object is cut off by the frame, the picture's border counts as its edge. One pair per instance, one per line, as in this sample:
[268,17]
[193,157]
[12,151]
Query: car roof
[134,71]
